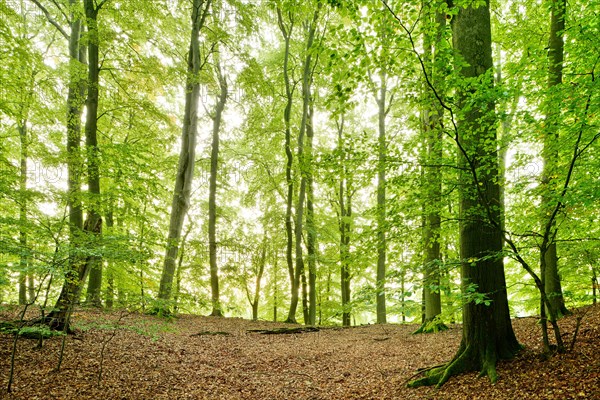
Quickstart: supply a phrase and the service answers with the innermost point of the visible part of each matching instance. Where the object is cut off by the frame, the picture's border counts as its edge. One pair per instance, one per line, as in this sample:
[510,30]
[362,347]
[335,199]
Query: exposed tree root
[433,326]
[464,361]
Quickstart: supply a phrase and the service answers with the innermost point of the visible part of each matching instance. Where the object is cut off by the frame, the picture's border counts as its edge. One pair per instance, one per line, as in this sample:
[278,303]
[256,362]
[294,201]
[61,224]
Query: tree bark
[286,31]
[262,261]
[212,190]
[109,296]
[93,262]
[311,232]
[381,203]
[92,229]
[432,176]
[24,251]
[548,251]
[187,157]
[344,226]
[487,331]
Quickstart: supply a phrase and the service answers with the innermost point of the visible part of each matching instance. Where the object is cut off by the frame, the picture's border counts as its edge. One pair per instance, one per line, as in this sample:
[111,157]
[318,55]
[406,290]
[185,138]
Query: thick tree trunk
[487,331]
[187,157]
[286,31]
[94,263]
[75,101]
[212,190]
[92,229]
[549,266]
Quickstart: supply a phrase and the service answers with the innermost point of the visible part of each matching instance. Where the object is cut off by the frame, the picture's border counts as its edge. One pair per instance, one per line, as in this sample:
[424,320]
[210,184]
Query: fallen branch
[284,331]
[209,333]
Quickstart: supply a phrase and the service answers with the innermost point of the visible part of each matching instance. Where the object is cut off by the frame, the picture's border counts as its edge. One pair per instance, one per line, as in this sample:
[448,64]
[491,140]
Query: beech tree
[212,202]
[433,138]
[92,228]
[487,330]
[548,248]
[187,155]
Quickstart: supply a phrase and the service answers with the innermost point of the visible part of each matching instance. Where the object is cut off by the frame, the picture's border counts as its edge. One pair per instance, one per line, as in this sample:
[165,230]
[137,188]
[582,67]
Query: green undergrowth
[433,326]
[28,331]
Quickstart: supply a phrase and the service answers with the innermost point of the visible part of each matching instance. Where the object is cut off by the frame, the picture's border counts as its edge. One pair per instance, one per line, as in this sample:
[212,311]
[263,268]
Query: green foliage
[28,331]
[360,46]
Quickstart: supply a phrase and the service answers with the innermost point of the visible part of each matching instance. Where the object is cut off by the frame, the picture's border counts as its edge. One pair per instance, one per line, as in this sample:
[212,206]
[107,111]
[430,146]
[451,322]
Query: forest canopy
[323,162]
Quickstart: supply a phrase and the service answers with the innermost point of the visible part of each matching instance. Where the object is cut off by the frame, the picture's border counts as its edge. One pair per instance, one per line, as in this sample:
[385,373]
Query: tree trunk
[75,96]
[487,331]
[92,229]
[141,261]
[187,156]
[262,261]
[94,262]
[304,168]
[594,286]
[381,203]
[344,226]
[109,296]
[549,269]
[24,251]
[432,179]
[311,232]
[287,32]
[275,285]
[212,190]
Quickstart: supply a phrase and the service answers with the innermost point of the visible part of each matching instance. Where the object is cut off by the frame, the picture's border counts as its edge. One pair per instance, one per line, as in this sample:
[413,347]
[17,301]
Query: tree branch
[50,19]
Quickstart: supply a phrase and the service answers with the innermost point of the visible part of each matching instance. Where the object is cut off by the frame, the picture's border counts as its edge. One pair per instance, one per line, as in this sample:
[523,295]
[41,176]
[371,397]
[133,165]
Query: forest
[422,166]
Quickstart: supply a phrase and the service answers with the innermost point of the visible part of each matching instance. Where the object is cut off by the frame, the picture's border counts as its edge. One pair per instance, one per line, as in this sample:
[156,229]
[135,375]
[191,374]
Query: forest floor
[132,356]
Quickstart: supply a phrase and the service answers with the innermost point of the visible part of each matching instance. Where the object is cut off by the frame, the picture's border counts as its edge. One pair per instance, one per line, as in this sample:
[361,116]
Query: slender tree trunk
[142,261]
[24,256]
[487,331]
[109,296]
[187,156]
[432,179]
[212,190]
[176,295]
[304,170]
[299,218]
[311,233]
[381,203]
[262,261]
[344,199]
[275,285]
[24,251]
[548,251]
[594,286]
[287,32]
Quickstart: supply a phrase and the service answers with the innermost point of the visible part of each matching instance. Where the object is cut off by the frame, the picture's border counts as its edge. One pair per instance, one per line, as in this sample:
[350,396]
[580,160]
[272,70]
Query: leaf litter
[194,357]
